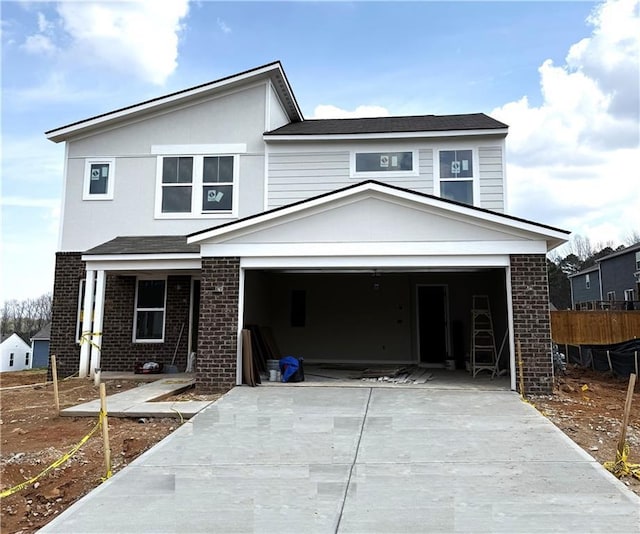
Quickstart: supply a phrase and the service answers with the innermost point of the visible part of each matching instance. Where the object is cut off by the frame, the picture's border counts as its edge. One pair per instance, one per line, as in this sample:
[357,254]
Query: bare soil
[32,437]
[587,406]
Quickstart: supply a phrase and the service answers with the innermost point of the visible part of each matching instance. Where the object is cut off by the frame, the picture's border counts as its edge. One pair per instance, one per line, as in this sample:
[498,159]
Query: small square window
[99,179]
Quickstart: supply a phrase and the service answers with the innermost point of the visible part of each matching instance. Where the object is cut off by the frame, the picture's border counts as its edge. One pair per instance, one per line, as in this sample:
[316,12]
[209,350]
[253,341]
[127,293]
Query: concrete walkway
[364,460]
[138,401]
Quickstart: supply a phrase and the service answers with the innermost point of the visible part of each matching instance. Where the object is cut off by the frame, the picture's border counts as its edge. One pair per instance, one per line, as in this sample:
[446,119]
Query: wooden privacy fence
[594,327]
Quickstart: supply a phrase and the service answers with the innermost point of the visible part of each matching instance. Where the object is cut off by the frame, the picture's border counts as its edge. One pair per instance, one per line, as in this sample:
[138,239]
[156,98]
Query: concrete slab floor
[360,460]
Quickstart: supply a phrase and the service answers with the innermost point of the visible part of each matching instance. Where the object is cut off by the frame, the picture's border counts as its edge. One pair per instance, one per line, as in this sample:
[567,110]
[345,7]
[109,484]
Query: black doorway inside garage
[375,317]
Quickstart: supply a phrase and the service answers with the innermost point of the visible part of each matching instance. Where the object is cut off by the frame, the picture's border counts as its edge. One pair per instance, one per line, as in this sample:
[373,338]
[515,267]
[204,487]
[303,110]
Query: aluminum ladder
[484,356]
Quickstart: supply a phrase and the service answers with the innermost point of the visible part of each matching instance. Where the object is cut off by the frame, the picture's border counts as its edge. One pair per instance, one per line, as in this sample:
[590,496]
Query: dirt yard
[32,437]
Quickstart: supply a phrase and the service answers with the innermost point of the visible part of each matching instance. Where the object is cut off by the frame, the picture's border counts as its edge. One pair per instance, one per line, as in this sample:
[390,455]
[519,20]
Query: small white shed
[16,354]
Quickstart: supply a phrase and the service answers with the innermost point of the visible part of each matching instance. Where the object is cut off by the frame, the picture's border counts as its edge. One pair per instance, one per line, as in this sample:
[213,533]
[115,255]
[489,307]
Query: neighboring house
[16,354]
[614,281]
[40,347]
[585,286]
[355,240]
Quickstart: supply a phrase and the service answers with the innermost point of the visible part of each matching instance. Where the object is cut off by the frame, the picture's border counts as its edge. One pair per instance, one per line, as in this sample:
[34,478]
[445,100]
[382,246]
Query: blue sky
[563,75]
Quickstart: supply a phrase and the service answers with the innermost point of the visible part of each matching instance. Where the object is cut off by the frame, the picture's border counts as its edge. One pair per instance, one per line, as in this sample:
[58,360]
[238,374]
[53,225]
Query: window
[611,296]
[384,164]
[98,179]
[587,281]
[192,186]
[629,294]
[11,360]
[26,358]
[456,175]
[149,311]
[637,261]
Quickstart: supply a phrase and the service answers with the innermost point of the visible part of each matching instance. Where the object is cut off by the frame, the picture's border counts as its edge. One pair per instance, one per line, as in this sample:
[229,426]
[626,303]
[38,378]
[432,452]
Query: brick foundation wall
[119,352]
[218,329]
[531,321]
[69,271]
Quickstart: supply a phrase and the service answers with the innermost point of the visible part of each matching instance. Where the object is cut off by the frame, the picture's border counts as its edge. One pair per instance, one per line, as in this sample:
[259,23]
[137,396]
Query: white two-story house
[189,216]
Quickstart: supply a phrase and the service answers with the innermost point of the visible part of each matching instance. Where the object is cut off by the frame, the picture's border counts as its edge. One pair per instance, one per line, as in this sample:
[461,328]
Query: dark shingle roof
[416,123]
[157,244]
[43,333]
[633,248]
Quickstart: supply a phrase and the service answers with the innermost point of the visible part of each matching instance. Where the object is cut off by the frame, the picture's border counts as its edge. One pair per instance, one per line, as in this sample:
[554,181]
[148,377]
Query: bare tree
[26,317]
[632,237]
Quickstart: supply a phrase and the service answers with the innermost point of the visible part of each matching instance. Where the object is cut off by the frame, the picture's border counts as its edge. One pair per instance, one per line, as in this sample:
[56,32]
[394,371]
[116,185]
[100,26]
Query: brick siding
[218,329]
[119,352]
[531,321]
[69,271]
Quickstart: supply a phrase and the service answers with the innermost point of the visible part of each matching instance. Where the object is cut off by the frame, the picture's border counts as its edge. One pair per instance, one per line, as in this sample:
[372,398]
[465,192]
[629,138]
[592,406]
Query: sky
[563,75]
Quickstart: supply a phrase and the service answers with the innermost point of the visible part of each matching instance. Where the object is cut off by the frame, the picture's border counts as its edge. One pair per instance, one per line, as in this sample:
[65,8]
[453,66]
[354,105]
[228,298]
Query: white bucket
[273,375]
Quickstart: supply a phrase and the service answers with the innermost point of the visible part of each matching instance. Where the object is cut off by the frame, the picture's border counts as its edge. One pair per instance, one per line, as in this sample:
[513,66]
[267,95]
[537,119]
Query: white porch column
[85,334]
[98,315]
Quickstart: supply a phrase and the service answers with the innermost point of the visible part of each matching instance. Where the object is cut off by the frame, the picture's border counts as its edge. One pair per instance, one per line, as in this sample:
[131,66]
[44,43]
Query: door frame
[447,329]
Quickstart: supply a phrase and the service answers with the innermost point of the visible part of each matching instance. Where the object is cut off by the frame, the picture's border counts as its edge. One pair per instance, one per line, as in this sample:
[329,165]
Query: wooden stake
[519,351]
[54,374]
[627,413]
[105,429]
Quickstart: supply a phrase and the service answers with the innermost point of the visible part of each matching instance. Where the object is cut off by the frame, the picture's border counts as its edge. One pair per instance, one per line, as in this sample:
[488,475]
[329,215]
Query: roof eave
[384,135]
[272,71]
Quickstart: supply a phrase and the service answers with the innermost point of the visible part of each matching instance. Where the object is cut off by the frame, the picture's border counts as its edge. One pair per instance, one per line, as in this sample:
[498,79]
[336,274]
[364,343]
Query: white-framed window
[383,163]
[149,314]
[11,358]
[197,186]
[587,281]
[26,358]
[611,296]
[99,176]
[456,174]
[638,261]
[629,294]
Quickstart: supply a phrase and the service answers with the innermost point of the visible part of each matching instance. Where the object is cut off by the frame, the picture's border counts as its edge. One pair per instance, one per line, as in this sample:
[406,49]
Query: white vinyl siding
[295,176]
[491,178]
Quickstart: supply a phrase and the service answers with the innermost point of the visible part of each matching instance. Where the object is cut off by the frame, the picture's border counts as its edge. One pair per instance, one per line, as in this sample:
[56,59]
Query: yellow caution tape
[621,467]
[57,463]
[86,338]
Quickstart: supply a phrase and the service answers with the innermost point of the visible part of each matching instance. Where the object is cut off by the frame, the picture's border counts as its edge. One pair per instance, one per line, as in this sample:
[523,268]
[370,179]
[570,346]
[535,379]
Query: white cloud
[139,37]
[136,37]
[39,44]
[573,160]
[327,111]
[223,26]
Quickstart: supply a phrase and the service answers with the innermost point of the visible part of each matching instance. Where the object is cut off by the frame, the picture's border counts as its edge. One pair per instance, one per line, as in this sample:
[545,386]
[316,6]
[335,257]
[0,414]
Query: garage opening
[352,321]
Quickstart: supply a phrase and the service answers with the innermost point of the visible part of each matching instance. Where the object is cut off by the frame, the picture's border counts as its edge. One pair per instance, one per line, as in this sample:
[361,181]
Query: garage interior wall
[369,317]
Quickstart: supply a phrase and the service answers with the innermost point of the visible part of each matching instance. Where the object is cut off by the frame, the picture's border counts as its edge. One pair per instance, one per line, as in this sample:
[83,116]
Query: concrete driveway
[339,459]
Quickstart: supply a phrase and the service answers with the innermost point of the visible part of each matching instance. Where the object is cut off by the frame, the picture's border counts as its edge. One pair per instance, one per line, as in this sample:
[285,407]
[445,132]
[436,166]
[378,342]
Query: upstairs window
[11,358]
[637,261]
[26,358]
[192,186]
[98,179]
[587,281]
[149,311]
[456,175]
[383,164]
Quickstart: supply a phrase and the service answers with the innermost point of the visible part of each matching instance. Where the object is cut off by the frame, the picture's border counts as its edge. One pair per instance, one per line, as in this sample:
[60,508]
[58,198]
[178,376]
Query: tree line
[578,254]
[26,317]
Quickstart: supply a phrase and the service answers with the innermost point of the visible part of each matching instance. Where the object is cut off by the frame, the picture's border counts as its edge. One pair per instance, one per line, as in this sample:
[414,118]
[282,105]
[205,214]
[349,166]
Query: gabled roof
[43,333]
[554,236]
[591,269]
[415,123]
[271,71]
[633,248]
